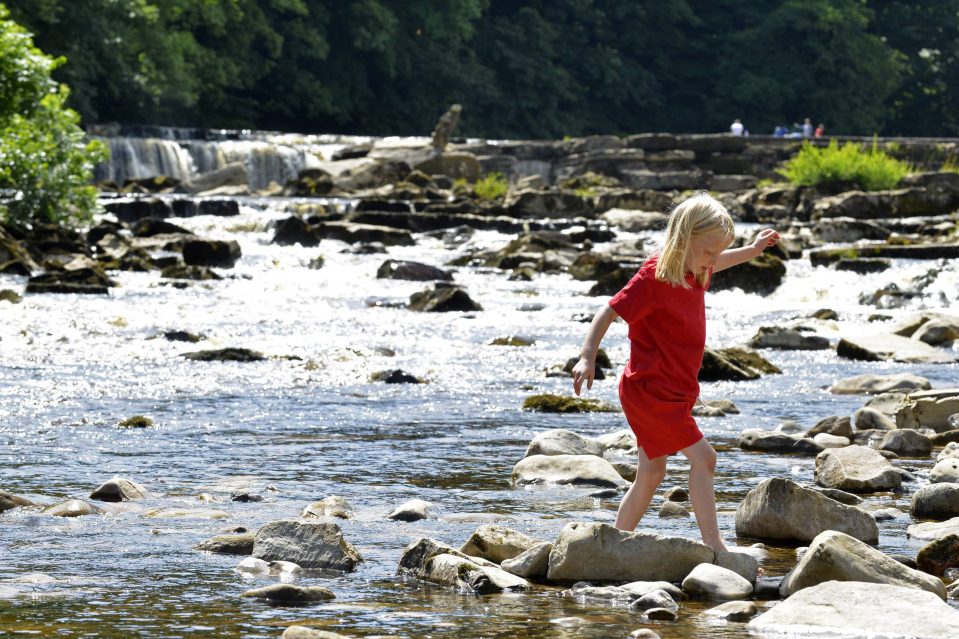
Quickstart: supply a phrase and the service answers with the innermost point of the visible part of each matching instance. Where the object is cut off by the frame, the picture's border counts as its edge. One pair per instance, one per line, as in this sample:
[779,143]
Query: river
[308,423]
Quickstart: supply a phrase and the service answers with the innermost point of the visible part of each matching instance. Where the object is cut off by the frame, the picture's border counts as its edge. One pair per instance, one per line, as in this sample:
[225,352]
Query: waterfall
[185,153]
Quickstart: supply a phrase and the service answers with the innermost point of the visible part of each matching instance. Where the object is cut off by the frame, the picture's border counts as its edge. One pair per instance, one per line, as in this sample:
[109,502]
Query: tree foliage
[535,68]
[45,163]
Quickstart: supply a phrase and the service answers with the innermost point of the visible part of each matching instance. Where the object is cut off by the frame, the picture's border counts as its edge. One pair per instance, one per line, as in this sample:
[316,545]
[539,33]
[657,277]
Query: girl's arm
[585,368]
[732,257]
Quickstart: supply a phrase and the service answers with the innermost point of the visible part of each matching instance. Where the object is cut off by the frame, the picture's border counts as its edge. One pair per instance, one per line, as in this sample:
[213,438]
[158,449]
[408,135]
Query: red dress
[667,335]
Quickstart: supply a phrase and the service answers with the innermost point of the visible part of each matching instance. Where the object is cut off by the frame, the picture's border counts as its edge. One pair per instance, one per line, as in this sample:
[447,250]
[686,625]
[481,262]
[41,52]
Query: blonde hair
[696,216]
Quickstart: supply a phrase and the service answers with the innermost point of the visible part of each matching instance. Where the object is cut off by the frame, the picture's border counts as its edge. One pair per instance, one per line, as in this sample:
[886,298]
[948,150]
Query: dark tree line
[534,68]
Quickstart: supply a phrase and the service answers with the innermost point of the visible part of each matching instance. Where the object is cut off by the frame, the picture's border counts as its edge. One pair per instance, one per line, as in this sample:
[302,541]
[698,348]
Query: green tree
[45,163]
[926,35]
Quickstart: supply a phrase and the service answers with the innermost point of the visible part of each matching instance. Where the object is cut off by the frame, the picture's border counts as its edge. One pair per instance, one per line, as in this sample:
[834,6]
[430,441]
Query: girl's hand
[583,370]
[765,239]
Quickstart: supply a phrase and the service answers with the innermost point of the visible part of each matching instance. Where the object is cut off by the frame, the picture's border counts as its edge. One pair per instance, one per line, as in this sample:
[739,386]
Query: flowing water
[308,423]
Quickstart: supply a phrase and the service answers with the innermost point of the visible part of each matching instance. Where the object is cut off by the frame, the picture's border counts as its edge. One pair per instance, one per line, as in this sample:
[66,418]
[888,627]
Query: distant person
[737,128]
[820,130]
[780,131]
[807,129]
[664,306]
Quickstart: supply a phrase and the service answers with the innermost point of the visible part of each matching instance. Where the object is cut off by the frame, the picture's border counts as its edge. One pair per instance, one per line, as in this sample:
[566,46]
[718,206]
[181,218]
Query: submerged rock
[73,508]
[412,510]
[291,594]
[241,544]
[119,489]
[9,501]
[332,506]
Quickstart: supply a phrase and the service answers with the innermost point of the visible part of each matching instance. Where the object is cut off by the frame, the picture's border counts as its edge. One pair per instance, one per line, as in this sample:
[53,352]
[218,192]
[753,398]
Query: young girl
[664,306]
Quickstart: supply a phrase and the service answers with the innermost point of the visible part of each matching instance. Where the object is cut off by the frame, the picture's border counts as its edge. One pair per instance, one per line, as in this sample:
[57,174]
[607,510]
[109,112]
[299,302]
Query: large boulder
[586,470]
[497,543]
[855,609]
[781,509]
[856,469]
[600,552]
[835,556]
[875,384]
[310,544]
[936,501]
[560,441]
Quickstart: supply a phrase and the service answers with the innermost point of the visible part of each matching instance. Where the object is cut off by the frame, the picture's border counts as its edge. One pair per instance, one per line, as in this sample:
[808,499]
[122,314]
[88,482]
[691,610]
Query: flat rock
[587,470]
[875,384]
[891,347]
[930,530]
[291,594]
[560,441]
[853,609]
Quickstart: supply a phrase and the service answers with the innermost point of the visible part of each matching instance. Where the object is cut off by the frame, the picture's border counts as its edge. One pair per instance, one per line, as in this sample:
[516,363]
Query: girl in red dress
[664,306]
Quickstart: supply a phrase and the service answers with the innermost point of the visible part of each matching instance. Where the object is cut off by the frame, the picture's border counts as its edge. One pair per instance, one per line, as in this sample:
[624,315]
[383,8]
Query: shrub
[45,163]
[491,186]
[871,170]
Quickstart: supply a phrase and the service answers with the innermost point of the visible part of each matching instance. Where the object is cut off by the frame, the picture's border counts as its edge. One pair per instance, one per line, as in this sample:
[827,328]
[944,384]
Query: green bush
[491,186]
[46,165]
[871,170]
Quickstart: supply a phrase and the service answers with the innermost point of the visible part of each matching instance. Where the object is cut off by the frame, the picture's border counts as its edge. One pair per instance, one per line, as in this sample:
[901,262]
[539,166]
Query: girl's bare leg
[649,474]
[702,466]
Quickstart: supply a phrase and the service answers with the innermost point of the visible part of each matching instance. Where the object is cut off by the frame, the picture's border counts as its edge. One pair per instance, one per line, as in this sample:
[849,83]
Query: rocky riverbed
[227,413]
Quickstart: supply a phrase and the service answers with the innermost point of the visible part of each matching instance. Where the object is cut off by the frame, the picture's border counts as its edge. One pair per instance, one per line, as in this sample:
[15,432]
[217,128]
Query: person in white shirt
[736,128]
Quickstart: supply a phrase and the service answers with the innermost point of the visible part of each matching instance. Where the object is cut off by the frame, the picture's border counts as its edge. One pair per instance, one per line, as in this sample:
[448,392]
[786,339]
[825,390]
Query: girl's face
[703,251]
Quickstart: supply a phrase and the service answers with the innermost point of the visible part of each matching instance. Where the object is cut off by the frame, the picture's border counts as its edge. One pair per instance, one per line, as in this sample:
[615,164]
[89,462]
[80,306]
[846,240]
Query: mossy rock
[6,295]
[549,403]
[512,340]
[137,421]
